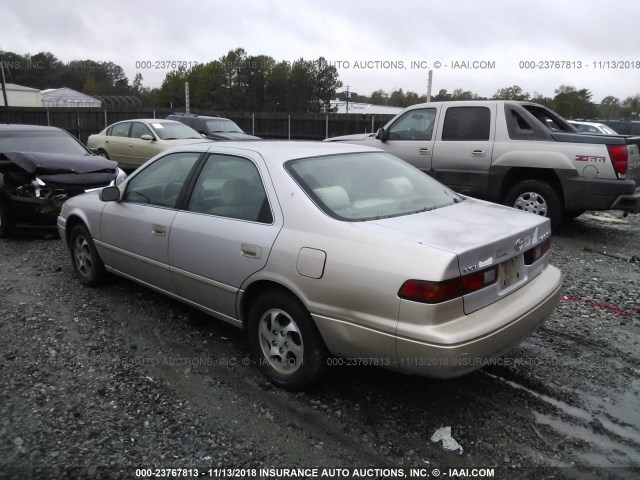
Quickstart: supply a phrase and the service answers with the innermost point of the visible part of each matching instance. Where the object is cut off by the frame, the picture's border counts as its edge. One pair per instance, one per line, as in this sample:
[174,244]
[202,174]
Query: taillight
[618,155]
[431,292]
[437,292]
[536,253]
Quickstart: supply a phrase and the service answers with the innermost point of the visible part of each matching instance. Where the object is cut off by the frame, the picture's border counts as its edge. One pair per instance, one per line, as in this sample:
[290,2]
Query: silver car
[322,251]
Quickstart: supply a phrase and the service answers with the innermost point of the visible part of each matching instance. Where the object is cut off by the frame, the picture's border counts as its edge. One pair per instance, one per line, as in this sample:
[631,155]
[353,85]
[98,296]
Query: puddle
[627,433]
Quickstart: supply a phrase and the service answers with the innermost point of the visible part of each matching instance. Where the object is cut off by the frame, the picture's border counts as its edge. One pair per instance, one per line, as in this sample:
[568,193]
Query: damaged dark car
[40,168]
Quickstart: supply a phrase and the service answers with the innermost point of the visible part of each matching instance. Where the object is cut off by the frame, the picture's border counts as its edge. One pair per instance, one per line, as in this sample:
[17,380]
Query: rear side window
[231,187]
[120,129]
[467,124]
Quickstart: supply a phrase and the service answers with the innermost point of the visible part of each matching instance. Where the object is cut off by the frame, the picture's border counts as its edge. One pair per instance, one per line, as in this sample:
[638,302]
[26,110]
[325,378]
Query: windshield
[368,186]
[222,125]
[607,130]
[174,131]
[41,141]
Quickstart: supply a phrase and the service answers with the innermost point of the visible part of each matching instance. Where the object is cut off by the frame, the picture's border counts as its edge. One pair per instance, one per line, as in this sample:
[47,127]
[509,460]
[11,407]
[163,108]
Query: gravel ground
[95,383]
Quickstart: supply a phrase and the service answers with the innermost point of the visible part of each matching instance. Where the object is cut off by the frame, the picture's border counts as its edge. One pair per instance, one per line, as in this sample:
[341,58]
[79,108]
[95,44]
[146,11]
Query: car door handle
[478,153]
[250,251]
[159,230]
[424,151]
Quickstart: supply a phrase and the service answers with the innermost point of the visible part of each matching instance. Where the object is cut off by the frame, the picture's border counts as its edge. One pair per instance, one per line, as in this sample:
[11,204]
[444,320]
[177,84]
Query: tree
[459,94]
[630,107]
[442,96]
[172,89]
[511,93]
[572,103]
[326,83]
[379,97]
[610,108]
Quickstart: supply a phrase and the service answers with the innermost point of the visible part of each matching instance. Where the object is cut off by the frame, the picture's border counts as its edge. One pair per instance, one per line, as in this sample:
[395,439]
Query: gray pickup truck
[519,154]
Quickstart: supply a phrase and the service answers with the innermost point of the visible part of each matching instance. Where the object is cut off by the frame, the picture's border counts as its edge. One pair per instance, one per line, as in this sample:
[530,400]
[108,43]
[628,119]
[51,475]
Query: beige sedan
[324,253]
[133,142]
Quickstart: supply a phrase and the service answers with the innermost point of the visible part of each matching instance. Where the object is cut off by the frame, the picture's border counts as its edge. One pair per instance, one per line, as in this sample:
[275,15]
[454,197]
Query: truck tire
[537,197]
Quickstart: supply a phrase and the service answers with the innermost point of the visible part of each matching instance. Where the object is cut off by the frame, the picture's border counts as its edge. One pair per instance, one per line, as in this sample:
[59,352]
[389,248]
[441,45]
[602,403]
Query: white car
[319,249]
[133,142]
[593,128]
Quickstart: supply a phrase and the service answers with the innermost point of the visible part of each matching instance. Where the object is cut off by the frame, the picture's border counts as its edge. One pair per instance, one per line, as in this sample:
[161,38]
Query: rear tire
[284,341]
[104,154]
[537,197]
[85,259]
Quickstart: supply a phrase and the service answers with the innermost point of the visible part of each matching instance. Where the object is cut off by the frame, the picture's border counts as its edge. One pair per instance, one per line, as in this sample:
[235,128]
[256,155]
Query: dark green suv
[215,128]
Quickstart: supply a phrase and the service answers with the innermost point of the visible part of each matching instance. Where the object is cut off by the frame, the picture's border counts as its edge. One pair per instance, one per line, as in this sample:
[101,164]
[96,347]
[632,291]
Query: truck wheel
[537,197]
[284,341]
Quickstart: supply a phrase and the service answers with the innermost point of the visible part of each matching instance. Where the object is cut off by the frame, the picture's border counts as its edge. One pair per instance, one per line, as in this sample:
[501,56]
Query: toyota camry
[321,251]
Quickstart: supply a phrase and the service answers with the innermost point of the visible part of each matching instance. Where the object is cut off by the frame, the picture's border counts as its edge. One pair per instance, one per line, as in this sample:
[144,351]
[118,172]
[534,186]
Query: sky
[479,46]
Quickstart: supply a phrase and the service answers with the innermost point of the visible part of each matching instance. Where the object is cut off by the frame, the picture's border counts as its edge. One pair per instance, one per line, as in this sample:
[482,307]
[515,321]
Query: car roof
[580,122]
[278,150]
[149,120]
[14,127]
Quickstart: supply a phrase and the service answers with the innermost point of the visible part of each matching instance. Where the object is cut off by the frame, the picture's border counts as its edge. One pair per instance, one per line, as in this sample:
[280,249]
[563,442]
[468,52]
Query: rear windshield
[368,186]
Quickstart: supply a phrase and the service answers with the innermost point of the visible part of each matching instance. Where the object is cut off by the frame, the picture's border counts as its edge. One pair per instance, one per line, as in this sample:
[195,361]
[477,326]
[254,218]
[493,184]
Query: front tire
[85,259]
[103,153]
[537,197]
[284,341]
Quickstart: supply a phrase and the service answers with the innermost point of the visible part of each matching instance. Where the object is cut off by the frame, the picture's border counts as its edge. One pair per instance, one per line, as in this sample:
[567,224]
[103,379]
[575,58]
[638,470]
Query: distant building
[19,96]
[363,108]
[66,97]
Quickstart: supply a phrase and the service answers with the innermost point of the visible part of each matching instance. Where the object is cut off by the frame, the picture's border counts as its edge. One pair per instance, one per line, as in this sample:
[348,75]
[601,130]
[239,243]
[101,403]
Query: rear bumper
[600,194]
[520,314]
[628,203]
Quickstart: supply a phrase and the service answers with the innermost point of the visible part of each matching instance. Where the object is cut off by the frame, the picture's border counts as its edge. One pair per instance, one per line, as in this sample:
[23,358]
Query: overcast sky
[373,43]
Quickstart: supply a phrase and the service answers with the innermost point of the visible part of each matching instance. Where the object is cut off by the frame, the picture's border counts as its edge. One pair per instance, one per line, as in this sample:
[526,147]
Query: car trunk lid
[482,235]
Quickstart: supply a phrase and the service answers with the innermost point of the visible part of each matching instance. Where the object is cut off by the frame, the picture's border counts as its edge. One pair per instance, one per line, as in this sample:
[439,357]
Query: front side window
[138,129]
[414,125]
[467,124]
[230,186]
[368,186]
[161,182]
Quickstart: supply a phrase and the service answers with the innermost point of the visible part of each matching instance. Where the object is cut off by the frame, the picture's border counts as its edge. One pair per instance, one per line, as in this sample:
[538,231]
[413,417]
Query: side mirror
[146,136]
[382,135]
[110,194]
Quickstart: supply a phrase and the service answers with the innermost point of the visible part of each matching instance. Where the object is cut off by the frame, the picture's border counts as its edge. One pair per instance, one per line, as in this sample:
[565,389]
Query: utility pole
[186,97]
[348,98]
[429,84]
[4,87]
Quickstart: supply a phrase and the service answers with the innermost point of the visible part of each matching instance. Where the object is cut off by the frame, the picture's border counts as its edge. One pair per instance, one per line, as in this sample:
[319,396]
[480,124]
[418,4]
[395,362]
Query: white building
[19,96]
[363,108]
[66,97]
